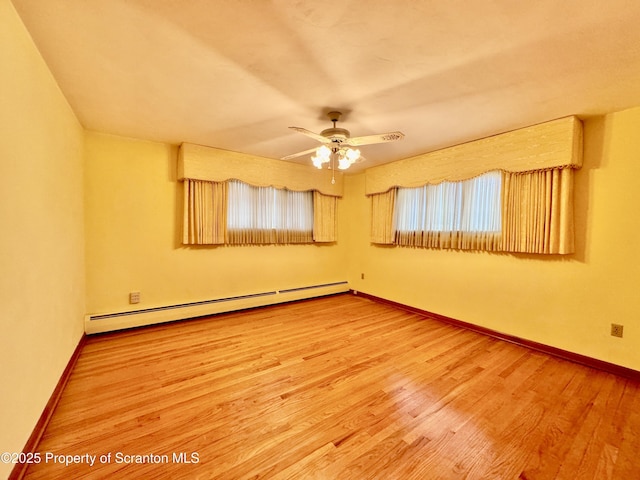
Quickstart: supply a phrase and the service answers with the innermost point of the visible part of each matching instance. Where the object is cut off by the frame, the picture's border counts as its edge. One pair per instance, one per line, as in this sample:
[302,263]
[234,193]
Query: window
[268,215]
[461,215]
[233,212]
[469,206]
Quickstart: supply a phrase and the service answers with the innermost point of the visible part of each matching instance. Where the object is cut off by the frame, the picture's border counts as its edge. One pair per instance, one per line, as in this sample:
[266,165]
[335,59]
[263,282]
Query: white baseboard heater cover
[106,322]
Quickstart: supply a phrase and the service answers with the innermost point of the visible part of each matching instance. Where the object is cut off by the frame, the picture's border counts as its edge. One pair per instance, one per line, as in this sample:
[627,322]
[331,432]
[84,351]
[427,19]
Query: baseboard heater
[107,322]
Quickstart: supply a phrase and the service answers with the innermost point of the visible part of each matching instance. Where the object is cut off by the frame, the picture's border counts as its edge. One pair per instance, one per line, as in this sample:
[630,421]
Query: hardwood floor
[336,388]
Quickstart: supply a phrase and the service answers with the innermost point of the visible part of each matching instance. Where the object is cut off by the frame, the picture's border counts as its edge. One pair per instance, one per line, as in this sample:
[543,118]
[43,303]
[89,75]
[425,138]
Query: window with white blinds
[467,206]
[268,215]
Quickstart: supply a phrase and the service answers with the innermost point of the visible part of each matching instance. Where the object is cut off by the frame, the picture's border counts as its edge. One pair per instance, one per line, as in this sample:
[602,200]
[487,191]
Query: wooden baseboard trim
[540,347]
[31,446]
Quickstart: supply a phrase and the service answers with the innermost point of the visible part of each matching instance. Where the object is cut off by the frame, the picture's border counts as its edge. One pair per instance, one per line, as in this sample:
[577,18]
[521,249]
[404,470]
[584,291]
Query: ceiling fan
[336,142]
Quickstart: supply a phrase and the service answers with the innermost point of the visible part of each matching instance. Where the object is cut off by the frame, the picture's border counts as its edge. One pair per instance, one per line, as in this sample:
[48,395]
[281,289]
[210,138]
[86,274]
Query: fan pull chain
[333,168]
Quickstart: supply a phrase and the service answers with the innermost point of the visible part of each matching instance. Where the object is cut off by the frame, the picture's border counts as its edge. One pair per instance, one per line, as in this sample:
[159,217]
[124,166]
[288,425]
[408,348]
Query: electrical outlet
[134,297]
[616,330]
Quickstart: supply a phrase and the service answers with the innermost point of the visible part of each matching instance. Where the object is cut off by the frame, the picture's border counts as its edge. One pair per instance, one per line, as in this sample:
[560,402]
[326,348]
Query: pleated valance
[551,145]
[210,164]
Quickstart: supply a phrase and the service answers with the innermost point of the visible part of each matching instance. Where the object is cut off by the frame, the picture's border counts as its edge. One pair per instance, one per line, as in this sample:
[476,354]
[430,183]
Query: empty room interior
[341,239]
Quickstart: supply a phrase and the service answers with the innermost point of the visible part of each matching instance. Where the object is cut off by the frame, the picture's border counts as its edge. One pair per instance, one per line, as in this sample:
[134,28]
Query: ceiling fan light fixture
[322,156]
[348,157]
[343,163]
[345,156]
[353,155]
[339,141]
[323,152]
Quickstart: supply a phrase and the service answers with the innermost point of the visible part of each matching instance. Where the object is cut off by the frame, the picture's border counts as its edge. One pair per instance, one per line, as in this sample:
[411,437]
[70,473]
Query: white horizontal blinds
[465,215]
[204,221]
[268,215]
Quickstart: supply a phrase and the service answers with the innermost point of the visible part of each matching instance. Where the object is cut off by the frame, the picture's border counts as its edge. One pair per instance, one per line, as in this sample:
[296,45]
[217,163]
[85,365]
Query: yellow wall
[564,301]
[41,239]
[133,208]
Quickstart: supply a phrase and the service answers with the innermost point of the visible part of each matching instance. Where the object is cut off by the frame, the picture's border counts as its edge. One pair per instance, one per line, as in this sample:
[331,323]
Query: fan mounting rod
[334,117]
[335,134]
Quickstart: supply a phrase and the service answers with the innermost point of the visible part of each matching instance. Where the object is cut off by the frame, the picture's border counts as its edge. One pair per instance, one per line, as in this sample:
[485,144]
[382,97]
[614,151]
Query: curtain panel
[538,212]
[382,217]
[205,213]
[325,218]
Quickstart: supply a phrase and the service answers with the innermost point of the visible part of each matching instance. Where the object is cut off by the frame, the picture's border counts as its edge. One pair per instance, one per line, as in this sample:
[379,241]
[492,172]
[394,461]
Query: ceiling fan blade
[299,154]
[379,138]
[309,133]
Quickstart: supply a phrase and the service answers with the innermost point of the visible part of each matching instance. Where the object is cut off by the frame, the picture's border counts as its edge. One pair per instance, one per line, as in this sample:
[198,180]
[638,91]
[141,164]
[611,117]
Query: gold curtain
[325,219]
[538,211]
[382,221]
[205,210]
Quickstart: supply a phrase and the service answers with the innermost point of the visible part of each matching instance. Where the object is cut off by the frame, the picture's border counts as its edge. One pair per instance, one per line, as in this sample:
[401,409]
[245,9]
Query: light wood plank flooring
[337,388]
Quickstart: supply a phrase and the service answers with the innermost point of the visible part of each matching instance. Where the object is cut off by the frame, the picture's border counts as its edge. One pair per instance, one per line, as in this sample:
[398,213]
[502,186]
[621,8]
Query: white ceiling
[234,74]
